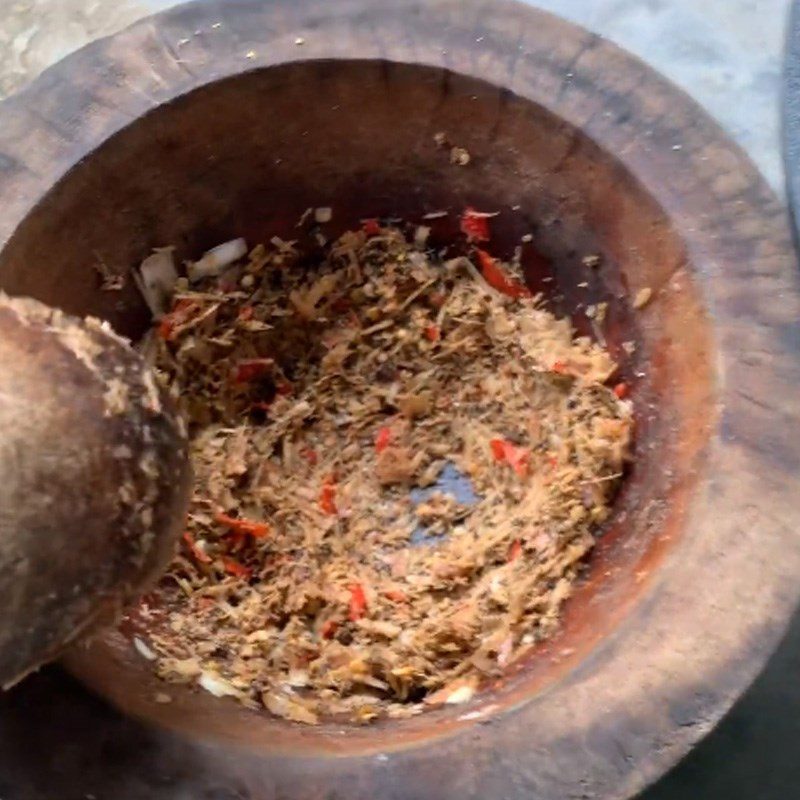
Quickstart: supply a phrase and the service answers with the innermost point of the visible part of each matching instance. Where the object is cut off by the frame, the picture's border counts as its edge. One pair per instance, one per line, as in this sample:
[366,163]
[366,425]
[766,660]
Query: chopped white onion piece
[297,678]
[461,695]
[215,260]
[156,278]
[143,649]
[216,685]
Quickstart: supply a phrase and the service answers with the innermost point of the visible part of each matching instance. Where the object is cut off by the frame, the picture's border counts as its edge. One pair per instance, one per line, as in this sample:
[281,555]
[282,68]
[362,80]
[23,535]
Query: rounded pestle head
[94,480]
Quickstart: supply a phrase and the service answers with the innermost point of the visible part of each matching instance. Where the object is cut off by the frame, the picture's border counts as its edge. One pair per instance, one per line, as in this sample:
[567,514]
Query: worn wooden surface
[94,481]
[726,54]
[699,587]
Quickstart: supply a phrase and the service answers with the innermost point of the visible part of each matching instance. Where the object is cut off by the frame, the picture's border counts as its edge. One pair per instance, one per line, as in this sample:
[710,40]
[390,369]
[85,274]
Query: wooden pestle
[94,480]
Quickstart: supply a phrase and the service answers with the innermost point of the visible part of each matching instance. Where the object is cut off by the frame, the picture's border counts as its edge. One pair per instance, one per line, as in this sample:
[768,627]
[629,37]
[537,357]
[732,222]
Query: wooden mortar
[230,117]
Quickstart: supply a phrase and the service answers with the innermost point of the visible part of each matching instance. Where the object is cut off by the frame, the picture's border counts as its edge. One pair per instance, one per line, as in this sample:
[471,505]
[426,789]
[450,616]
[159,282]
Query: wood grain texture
[163,140]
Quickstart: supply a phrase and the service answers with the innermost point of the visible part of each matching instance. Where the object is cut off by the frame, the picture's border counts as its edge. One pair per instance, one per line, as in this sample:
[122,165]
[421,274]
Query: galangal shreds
[400,464]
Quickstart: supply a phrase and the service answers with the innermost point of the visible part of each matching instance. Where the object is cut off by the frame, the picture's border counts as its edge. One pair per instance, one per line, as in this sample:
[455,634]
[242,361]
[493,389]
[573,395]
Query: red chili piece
[233,567]
[251,368]
[327,498]
[432,333]
[383,438]
[358,602]
[371,227]
[475,226]
[516,457]
[195,549]
[258,530]
[181,313]
[621,390]
[497,278]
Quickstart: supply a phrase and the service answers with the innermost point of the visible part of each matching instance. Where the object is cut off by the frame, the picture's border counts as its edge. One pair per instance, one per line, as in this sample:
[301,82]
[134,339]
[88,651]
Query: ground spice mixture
[399,465]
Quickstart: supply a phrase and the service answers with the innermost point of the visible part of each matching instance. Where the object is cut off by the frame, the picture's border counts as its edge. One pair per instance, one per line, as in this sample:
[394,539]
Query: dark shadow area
[58,742]
[754,753]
